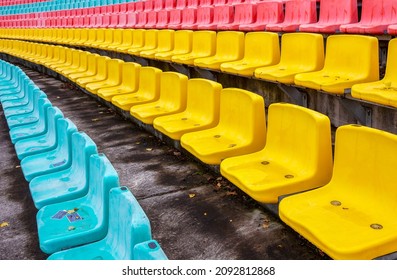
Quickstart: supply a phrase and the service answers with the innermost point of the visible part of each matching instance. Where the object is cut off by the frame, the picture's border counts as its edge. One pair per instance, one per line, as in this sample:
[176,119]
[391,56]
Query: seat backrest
[183,40]
[101,63]
[53,114]
[130,75]
[244,13]
[189,16]
[142,19]
[149,82]
[306,49]
[242,116]
[300,11]
[100,35]
[338,12]
[203,99]
[378,12]
[65,129]
[82,148]
[169,4]
[230,44]
[175,16]
[138,38]
[364,167]
[128,224]
[391,63]
[223,14]
[151,38]
[114,70]
[109,36]
[180,4]
[353,54]
[301,138]
[117,36]
[165,40]
[270,12]
[103,177]
[151,19]
[205,15]
[204,43]
[173,90]
[268,51]
[158,5]
[127,35]
[163,17]
[148,5]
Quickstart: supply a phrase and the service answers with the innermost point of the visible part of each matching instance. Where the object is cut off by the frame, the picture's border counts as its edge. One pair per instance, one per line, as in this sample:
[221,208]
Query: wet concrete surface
[194,213]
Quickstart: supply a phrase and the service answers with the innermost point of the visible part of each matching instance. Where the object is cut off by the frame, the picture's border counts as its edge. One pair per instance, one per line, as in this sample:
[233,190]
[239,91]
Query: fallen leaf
[94,120]
[266,224]
[219,185]
[177,153]
[18,166]
[231,193]
[137,143]
[205,213]
[191,195]
[149,149]
[4,224]
[219,179]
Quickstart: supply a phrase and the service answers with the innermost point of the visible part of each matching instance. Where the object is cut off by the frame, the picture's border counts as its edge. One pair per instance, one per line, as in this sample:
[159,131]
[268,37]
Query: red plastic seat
[163,18]
[142,20]
[180,4]
[132,20]
[151,19]
[189,17]
[333,13]
[296,13]
[169,5]
[205,16]
[219,2]
[222,15]
[122,20]
[131,7]
[206,3]
[243,14]
[139,6]
[148,5]
[266,13]
[376,16]
[175,19]
[114,20]
[158,5]
[192,3]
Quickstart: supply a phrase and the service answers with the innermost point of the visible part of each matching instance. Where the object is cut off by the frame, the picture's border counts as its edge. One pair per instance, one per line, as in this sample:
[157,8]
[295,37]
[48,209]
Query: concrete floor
[194,213]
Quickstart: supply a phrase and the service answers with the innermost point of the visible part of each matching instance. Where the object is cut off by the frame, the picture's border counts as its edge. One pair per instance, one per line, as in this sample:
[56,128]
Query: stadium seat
[79,65]
[202,110]
[300,52]
[175,19]
[173,87]
[383,91]
[223,14]
[375,18]
[23,106]
[229,47]
[33,129]
[165,40]
[71,64]
[241,129]
[142,19]
[53,160]
[148,90]
[182,45]
[297,156]
[349,60]
[67,184]
[149,42]
[129,82]
[100,72]
[203,45]
[128,227]
[333,13]
[352,217]
[296,13]
[132,20]
[266,13]
[149,250]
[84,220]
[113,76]
[204,15]
[41,143]
[244,13]
[189,17]
[126,42]
[255,55]
[117,39]
[90,71]
[163,18]
[151,20]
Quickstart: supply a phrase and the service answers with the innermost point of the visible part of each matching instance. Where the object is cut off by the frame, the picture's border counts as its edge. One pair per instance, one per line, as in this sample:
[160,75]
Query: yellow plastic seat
[48,56]
[241,129]
[89,71]
[300,52]
[82,66]
[384,91]
[297,156]
[202,110]
[100,74]
[117,39]
[148,90]
[92,34]
[229,47]
[149,42]
[56,56]
[165,40]
[83,37]
[128,35]
[113,76]
[349,59]
[353,216]
[108,39]
[203,45]
[74,63]
[173,89]
[182,45]
[129,82]
[65,59]
[260,49]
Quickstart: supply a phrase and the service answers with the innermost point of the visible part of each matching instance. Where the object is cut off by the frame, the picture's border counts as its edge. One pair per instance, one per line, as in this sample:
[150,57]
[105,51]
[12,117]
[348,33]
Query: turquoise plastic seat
[12,79]
[86,219]
[21,98]
[128,226]
[67,184]
[34,129]
[41,143]
[54,160]
[16,92]
[25,119]
[12,108]
[149,250]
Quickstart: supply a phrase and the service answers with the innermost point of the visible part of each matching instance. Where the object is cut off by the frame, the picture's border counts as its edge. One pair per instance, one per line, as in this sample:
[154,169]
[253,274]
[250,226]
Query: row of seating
[347,216]
[377,17]
[19,2]
[75,189]
[350,63]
